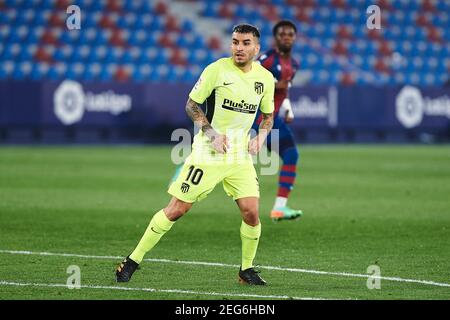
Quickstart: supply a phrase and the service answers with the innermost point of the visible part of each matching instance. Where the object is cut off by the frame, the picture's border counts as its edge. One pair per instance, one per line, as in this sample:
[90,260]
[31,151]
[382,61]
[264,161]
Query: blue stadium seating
[32,34]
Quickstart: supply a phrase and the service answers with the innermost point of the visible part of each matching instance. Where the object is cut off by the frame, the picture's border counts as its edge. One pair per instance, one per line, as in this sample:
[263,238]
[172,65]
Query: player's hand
[254,145]
[286,108]
[289,117]
[220,143]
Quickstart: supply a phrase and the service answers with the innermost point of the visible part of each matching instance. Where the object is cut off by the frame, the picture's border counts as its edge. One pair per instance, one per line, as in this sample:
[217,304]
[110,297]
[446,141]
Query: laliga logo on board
[68,102]
[306,107]
[411,107]
[71,102]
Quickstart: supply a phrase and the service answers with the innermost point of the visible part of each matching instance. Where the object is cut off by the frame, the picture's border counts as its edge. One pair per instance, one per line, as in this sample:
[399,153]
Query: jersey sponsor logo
[242,106]
[185,187]
[227,83]
[259,87]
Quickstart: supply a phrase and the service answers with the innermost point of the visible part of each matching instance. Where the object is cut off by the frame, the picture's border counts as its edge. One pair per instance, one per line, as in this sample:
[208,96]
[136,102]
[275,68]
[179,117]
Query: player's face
[244,47]
[284,38]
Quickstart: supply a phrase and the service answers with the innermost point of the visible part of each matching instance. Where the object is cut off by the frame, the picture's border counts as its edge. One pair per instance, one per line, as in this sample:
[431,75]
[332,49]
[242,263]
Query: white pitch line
[227,294]
[217,264]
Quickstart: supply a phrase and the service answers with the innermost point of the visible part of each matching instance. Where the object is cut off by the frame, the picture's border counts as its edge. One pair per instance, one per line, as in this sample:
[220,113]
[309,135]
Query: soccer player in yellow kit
[233,89]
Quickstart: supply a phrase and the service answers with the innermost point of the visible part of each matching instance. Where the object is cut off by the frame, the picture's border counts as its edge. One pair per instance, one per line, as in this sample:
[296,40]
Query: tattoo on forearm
[267,122]
[198,116]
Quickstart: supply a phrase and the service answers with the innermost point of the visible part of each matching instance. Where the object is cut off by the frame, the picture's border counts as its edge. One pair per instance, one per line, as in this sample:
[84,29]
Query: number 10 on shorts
[194,175]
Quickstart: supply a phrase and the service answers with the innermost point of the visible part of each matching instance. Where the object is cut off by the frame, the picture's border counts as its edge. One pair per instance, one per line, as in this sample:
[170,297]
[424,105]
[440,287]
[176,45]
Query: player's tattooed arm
[266,125]
[198,117]
[219,141]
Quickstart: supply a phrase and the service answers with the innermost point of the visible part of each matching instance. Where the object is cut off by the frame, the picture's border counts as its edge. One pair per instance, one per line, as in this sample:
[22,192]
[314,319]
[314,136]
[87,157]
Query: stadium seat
[34,31]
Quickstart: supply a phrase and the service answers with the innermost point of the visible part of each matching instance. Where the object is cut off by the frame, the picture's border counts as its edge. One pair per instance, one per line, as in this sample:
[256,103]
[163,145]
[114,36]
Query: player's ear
[257,48]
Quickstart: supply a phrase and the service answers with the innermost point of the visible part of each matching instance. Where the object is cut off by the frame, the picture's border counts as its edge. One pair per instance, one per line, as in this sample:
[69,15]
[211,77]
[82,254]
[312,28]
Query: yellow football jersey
[232,99]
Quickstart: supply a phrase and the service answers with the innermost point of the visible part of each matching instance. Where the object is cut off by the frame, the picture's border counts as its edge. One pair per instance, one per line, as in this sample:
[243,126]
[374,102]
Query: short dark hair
[283,23]
[247,28]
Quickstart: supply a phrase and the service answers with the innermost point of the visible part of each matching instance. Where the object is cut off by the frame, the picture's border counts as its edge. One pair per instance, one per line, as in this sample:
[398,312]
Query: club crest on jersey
[184,187]
[259,87]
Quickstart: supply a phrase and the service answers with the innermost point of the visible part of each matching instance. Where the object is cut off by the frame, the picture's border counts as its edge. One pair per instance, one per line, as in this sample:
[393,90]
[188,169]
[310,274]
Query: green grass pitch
[387,206]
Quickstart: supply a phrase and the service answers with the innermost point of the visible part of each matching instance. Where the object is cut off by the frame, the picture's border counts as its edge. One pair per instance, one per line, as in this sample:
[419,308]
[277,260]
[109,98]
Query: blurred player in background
[283,67]
[234,89]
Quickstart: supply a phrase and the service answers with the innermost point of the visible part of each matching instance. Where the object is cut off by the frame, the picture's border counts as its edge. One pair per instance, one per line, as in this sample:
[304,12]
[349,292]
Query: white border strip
[216,264]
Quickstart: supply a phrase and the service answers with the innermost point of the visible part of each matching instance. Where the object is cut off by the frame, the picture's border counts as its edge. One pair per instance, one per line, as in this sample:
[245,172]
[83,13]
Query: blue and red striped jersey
[282,69]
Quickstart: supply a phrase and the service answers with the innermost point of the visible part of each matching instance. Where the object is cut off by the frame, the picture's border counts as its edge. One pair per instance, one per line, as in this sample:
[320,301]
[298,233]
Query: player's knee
[174,213]
[250,216]
[176,209]
[291,156]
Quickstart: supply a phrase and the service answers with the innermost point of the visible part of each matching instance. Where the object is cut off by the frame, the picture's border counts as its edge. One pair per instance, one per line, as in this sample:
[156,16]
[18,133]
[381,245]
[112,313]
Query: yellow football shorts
[195,182]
